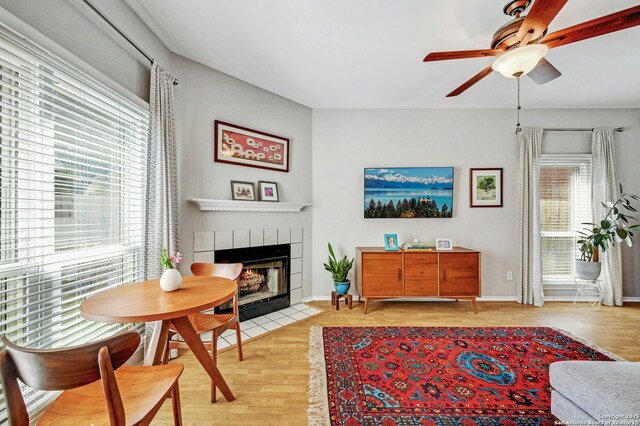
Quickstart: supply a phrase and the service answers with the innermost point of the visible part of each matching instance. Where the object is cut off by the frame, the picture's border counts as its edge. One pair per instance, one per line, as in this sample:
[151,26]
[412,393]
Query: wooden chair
[215,323]
[93,393]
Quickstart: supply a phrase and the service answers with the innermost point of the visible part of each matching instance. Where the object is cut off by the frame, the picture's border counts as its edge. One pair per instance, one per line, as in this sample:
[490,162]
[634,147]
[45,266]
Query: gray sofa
[592,392]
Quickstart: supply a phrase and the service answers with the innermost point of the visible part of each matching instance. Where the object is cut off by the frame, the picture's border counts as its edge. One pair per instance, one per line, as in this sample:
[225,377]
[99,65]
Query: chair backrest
[58,369]
[224,270]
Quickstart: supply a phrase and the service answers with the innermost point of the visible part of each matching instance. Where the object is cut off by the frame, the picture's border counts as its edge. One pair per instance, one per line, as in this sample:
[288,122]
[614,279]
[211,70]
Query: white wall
[205,95]
[74,26]
[346,141]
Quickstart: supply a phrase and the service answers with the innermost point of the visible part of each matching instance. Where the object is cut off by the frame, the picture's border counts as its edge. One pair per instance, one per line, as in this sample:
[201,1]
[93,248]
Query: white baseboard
[496,299]
[325,297]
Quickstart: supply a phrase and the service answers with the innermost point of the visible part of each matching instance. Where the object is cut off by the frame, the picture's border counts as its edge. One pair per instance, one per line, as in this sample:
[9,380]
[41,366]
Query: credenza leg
[475,305]
[366,305]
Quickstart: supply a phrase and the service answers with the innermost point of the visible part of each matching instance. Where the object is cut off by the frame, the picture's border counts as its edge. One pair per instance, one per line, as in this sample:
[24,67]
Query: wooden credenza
[453,274]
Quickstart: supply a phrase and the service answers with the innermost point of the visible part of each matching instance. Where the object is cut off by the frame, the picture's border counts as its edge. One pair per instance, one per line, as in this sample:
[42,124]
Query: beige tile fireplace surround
[205,243]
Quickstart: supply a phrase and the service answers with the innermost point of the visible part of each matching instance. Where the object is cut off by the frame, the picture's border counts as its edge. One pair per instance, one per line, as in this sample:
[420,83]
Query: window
[72,176]
[565,204]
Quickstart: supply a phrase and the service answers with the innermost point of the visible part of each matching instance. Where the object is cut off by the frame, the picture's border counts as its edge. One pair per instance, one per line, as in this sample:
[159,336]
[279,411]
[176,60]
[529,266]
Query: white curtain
[529,283]
[162,221]
[604,188]
[162,225]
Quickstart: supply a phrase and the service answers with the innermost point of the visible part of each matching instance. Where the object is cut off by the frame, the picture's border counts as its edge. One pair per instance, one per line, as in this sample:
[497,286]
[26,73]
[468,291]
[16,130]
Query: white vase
[170,280]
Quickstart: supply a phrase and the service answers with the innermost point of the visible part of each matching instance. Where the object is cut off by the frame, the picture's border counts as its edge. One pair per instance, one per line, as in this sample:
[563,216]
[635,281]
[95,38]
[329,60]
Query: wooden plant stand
[335,300]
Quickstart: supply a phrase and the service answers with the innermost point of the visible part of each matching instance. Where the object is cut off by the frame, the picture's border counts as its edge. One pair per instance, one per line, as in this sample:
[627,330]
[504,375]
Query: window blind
[72,176]
[565,204]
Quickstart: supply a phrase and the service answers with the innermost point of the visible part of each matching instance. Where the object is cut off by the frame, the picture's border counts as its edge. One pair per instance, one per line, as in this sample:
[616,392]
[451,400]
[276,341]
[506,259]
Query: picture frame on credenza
[443,244]
[391,242]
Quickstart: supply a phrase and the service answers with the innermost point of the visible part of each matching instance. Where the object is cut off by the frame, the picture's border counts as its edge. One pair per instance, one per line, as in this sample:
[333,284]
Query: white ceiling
[368,53]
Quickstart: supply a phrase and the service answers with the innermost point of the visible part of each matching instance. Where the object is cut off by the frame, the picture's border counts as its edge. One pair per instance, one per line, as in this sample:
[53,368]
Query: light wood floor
[271,383]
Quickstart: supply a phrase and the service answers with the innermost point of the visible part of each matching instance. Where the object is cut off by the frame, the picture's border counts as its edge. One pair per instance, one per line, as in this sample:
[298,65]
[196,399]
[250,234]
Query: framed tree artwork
[485,187]
[251,148]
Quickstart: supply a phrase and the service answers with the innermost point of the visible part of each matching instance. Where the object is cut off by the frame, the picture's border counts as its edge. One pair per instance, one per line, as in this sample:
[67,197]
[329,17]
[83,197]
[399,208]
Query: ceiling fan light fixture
[519,61]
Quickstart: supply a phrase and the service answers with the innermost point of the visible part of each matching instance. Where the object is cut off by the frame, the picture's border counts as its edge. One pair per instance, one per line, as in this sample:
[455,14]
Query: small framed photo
[444,244]
[268,191]
[391,242]
[244,191]
[485,187]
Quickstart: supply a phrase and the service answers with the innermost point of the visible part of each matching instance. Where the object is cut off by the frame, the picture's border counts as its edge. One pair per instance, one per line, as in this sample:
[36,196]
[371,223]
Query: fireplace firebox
[263,284]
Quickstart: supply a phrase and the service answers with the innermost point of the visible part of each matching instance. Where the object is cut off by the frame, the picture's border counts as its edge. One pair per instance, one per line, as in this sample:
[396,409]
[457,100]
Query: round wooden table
[146,301]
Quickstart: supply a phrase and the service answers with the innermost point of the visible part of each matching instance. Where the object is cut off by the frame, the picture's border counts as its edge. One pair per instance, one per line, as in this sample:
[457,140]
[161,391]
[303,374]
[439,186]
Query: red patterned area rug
[437,375]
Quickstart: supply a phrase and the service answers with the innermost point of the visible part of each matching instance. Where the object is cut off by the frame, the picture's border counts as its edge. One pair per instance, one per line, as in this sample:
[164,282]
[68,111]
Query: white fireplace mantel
[246,206]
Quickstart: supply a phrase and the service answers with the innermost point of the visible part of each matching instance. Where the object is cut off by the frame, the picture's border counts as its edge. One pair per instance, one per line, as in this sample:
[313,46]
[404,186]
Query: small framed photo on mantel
[242,191]
[485,187]
[268,191]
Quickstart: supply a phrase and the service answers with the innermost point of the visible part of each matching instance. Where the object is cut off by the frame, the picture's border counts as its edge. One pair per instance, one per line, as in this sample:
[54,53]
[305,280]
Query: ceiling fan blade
[544,72]
[537,20]
[473,80]
[596,27]
[461,54]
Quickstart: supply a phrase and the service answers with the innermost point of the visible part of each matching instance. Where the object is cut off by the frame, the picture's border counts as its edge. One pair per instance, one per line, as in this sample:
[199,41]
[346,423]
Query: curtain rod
[572,129]
[122,33]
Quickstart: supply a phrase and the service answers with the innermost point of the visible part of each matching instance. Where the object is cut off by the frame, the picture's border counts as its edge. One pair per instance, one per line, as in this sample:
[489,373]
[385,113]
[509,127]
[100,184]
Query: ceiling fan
[521,44]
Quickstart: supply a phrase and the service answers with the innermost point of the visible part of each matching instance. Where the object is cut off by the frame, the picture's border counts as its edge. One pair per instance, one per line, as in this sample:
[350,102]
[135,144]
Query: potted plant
[339,270]
[613,228]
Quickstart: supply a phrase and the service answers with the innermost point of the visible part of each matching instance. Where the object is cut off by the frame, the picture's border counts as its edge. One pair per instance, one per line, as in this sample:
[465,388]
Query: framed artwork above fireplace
[251,148]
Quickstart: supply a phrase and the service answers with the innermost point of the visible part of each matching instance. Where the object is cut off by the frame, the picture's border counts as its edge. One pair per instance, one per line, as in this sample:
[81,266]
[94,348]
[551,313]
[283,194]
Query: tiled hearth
[205,243]
[258,326]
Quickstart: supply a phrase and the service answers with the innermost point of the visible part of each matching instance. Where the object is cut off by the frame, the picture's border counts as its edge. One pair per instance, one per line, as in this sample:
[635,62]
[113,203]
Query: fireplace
[263,283]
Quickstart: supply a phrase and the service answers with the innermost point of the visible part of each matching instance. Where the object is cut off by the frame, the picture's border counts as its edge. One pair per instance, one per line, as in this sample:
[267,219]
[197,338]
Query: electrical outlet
[509,275]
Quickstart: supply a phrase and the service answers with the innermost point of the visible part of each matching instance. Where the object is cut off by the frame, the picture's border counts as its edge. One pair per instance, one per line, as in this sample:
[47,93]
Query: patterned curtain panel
[605,188]
[162,220]
[162,224]
[529,283]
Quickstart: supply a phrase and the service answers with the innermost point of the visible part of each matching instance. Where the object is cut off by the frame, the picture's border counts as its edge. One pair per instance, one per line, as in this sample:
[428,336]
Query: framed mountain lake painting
[485,187]
[408,192]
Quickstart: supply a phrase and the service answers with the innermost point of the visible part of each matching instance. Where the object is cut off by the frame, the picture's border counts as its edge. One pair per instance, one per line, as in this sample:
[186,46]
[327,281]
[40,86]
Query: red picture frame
[246,147]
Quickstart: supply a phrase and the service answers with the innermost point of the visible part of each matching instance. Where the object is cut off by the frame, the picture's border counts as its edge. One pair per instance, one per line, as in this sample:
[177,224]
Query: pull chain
[519,107]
